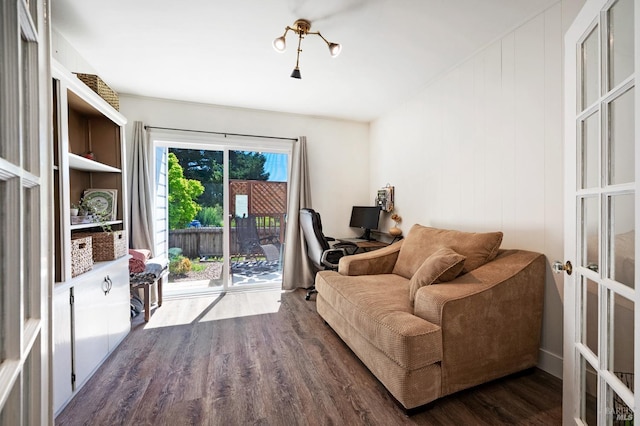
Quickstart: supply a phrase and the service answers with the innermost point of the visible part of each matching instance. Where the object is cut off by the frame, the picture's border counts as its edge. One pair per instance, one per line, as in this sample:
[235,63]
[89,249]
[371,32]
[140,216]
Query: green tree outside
[210,216]
[206,167]
[182,195]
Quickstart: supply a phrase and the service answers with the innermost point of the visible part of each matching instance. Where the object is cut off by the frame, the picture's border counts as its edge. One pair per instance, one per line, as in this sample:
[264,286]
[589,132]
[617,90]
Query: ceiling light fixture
[302,27]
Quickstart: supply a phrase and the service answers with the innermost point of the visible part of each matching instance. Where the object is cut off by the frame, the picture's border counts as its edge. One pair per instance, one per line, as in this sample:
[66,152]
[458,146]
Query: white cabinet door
[119,303]
[91,326]
[62,362]
[101,316]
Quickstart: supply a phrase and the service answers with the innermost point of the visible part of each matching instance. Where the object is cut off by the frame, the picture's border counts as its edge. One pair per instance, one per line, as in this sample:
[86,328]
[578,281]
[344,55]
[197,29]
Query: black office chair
[322,254]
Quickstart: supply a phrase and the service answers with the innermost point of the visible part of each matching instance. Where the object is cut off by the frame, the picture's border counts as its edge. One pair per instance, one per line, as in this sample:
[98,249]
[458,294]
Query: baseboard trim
[550,362]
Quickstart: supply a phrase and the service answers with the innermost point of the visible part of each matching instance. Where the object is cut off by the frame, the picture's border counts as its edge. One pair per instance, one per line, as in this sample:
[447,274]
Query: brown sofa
[437,312]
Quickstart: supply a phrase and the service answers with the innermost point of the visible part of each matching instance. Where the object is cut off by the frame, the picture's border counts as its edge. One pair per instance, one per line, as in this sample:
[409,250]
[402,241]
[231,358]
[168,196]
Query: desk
[364,245]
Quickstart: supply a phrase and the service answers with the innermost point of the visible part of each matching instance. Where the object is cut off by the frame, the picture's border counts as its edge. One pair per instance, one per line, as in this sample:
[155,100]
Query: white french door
[601,316]
[25,193]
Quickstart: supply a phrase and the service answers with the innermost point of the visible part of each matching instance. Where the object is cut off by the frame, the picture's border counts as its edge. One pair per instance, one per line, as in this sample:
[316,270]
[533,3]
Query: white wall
[337,149]
[480,149]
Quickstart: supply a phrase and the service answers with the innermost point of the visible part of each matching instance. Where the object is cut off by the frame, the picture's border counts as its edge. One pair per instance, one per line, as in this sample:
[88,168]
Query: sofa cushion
[378,307]
[423,241]
[443,265]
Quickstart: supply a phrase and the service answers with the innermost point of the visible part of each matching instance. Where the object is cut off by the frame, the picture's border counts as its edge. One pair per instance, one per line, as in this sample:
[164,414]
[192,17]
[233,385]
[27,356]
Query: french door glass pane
[621,358]
[27,253]
[590,151]
[590,314]
[621,139]
[29,371]
[589,387]
[10,414]
[29,52]
[620,25]
[589,235]
[621,239]
[33,11]
[619,413]
[590,52]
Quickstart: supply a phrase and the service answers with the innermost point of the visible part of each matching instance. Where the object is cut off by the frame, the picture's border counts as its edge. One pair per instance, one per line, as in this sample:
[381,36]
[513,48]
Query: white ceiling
[220,53]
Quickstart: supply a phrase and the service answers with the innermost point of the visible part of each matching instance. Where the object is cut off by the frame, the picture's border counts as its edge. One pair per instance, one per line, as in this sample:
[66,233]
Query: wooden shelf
[80,163]
[93,225]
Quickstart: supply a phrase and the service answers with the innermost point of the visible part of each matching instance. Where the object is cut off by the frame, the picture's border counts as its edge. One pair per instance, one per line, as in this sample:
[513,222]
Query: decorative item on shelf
[79,214]
[96,84]
[96,206]
[103,202]
[81,255]
[89,155]
[394,231]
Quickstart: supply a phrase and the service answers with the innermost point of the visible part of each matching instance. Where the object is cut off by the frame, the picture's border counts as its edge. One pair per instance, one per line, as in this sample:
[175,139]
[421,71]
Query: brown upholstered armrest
[490,318]
[374,262]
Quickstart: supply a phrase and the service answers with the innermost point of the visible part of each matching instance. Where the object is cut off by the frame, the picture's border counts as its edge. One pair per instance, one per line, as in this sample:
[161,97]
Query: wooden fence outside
[207,241]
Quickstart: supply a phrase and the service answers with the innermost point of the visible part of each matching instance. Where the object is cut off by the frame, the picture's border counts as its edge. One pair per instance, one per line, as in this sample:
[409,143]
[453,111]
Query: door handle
[105,285]
[558,267]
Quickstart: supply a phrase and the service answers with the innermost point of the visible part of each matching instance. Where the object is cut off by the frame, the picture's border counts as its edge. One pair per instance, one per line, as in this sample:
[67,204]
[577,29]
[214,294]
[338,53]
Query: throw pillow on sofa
[422,241]
[443,265]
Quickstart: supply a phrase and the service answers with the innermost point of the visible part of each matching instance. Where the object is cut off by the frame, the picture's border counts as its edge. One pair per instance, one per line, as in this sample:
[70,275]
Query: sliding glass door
[220,209]
[257,213]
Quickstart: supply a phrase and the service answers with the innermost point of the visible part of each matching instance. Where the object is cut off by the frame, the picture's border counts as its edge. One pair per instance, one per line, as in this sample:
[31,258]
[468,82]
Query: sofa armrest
[491,318]
[379,261]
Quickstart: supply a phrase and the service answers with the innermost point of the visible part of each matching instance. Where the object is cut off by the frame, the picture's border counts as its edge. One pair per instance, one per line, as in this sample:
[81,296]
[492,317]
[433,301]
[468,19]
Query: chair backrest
[247,235]
[312,229]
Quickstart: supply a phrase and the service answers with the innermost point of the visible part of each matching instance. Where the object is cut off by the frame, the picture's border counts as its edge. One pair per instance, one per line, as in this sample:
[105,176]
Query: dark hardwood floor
[267,358]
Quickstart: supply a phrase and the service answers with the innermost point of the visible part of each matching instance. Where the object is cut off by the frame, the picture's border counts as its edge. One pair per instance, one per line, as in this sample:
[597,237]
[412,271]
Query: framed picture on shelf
[104,201]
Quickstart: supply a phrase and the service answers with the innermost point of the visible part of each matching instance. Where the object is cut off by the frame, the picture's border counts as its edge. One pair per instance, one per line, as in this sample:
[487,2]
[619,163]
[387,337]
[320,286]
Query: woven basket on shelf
[107,245]
[81,255]
[96,84]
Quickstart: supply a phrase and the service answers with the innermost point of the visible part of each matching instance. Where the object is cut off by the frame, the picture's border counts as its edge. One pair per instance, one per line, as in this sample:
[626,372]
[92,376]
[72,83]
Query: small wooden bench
[146,286]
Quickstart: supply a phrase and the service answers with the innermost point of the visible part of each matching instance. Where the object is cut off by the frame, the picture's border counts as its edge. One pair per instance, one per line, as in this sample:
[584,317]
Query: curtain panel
[141,219]
[297,267]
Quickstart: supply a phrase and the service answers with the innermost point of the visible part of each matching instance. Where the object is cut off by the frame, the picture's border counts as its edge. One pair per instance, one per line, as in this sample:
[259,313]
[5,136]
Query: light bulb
[280,44]
[334,49]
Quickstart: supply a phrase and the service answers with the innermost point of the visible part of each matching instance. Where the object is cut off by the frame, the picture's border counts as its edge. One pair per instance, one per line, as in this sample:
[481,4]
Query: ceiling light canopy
[302,27]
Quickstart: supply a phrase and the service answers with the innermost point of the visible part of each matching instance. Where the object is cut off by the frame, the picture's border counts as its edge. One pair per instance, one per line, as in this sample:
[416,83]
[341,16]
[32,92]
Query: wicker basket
[81,255]
[100,87]
[107,245]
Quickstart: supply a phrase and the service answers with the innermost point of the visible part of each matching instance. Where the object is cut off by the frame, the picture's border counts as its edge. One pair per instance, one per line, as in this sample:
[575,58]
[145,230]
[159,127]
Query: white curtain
[297,268]
[141,223]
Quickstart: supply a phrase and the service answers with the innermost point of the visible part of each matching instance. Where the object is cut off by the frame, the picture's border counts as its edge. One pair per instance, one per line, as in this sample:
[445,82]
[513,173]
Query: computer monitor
[365,217]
